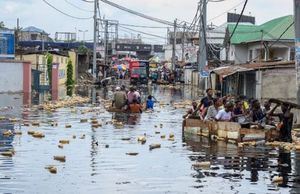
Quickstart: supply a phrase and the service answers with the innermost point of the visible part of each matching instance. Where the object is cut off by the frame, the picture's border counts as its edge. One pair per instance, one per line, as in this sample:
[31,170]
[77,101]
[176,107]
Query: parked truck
[139,72]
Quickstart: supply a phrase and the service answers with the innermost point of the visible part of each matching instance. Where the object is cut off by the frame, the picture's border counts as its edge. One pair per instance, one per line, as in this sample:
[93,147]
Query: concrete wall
[279,83]
[41,60]
[240,54]
[11,77]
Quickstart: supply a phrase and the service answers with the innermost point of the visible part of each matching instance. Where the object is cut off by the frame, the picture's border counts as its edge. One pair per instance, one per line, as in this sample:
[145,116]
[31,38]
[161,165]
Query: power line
[143,32]
[78,7]
[239,20]
[138,26]
[137,13]
[226,11]
[74,17]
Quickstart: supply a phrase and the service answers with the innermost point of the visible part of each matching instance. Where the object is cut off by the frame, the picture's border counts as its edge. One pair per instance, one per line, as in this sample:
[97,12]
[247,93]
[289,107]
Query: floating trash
[64,141]
[277,179]
[68,126]
[38,135]
[125,138]
[155,146]
[132,153]
[60,158]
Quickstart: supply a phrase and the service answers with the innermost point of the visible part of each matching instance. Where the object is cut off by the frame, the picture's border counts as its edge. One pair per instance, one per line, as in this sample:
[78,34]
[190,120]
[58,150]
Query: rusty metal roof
[232,69]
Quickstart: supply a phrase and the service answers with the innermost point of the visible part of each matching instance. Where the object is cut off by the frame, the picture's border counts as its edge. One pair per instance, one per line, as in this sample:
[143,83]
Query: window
[250,55]
[44,60]
[33,36]
[57,59]
[61,74]
[66,60]
[62,60]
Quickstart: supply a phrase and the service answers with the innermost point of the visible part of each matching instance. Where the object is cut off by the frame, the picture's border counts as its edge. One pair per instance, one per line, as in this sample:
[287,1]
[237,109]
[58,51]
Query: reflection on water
[98,163]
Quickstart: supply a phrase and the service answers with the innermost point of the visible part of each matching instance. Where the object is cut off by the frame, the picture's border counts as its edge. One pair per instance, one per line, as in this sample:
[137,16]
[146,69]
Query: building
[39,63]
[263,80]
[34,34]
[271,41]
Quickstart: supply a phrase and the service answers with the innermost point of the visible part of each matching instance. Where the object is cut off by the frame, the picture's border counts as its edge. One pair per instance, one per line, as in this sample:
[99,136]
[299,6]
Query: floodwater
[90,167]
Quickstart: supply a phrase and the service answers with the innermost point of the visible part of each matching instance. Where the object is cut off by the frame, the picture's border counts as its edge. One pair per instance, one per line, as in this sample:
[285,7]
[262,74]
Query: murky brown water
[92,168]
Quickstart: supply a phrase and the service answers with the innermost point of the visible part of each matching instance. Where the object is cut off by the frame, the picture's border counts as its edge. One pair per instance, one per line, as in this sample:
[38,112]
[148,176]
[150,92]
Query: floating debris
[74,136]
[38,135]
[83,120]
[61,146]
[9,154]
[60,158]
[54,124]
[132,153]
[68,126]
[125,138]
[163,136]
[64,141]
[7,133]
[18,132]
[155,146]
[36,124]
[201,165]
[277,179]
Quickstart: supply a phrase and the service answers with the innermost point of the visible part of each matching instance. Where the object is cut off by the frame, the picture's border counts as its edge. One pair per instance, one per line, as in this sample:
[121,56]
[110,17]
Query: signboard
[134,47]
[7,44]
[190,54]
[158,48]
[204,73]
[145,47]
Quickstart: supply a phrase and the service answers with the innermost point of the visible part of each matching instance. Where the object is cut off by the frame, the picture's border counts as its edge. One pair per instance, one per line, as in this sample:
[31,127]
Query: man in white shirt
[225,114]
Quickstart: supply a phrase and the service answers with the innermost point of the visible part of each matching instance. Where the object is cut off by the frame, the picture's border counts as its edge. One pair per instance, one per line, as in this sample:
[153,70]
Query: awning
[232,69]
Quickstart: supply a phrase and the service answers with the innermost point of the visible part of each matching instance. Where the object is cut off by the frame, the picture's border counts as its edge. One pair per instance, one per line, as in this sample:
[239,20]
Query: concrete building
[39,63]
[33,34]
[256,43]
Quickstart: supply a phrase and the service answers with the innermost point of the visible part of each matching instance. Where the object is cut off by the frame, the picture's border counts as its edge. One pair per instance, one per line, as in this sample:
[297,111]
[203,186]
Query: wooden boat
[227,131]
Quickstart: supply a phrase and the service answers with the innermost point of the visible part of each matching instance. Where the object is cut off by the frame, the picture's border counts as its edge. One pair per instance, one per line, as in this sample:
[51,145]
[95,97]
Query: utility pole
[202,45]
[95,41]
[174,45]
[297,45]
[105,46]
[183,42]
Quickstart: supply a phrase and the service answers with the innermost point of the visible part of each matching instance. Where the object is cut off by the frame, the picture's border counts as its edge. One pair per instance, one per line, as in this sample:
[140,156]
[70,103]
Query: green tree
[49,58]
[2,25]
[70,81]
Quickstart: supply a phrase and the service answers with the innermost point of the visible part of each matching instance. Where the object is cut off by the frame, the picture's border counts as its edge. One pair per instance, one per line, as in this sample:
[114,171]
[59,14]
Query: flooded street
[96,160]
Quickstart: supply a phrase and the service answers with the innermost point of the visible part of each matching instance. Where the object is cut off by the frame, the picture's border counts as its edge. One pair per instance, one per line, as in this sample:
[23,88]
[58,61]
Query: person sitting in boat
[192,113]
[239,112]
[286,122]
[150,102]
[204,101]
[131,95]
[135,107]
[257,118]
[225,114]
[204,111]
[119,99]
[213,110]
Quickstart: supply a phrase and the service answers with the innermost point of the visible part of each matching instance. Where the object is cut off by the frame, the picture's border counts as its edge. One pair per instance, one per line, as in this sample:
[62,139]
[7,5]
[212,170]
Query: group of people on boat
[250,114]
[130,101]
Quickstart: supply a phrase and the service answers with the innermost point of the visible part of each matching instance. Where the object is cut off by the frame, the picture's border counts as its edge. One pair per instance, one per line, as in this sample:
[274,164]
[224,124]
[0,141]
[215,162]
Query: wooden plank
[273,100]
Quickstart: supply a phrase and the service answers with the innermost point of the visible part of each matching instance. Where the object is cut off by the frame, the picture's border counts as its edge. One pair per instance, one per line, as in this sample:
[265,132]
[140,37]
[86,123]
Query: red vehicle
[139,72]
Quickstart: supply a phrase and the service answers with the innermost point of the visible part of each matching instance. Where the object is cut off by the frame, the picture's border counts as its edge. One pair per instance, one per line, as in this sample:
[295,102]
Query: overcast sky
[37,13]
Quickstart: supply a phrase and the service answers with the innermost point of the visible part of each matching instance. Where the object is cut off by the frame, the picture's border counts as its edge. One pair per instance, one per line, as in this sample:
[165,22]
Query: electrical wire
[138,26]
[137,13]
[143,32]
[78,7]
[74,17]
[226,11]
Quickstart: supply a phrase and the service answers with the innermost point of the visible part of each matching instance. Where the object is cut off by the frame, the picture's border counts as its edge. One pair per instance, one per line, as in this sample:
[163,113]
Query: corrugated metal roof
[33,29]
[270,30]
[230,70]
